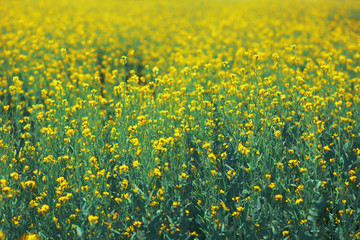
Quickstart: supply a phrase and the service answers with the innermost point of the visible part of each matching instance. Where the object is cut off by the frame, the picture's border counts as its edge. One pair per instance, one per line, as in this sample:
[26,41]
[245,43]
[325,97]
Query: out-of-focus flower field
[179,119]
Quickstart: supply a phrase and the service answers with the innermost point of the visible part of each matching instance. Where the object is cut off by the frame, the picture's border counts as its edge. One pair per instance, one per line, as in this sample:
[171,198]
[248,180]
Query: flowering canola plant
[179,119]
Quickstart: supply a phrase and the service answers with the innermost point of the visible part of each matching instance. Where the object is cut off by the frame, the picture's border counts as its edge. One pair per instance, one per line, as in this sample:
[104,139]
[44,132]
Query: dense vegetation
[179,119]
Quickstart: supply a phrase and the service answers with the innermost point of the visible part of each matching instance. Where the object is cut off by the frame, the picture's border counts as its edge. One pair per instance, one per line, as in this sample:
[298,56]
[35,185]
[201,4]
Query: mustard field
[195,119]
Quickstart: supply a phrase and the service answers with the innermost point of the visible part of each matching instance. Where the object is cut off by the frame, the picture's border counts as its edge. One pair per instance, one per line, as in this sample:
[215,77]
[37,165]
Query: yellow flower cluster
[179,118]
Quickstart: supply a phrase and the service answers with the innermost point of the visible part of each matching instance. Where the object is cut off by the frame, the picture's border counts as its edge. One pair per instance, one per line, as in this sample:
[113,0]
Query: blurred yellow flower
[30,236]
[44,209]
[136,164]
[277,133]
[2,235]
[257,188]
[278,198]
[93,219]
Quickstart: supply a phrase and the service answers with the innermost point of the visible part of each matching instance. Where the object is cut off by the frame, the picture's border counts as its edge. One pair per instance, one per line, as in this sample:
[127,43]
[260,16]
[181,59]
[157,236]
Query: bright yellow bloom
[3,182]
[326,148]
[137,224]
[285,233]
[176,204]
[257,188]
[278,198]
[30,184]
[125,183]
[240,208]
[14,175]
[44,209]
[136,164]
[352,178]
[93,219]
[303,221]
[2,235]
[277,133]
[30,236]
[157,172]
[242,149]
[183,175]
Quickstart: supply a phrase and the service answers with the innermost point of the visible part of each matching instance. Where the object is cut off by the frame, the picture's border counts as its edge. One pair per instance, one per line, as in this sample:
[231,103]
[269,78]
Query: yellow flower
[236,214]
[136,164]
[30,236]
[3,182]
[6,189]
[183,175]
[303,221]
[135,141]
[176,204]
[257,188]
[31,184]
[14,175]
[2,235]
[279,165]
[272,185]
[323,183]
[285,233]
[277,133]
[240,209]
[123,169]
[124,183]
[93,219]
[326,148]
[352,172]
[44,209]
[278,198]
[352,178]
[242,149]
[187,213]
[137,224]
[212,156]
[157,172]
[154,204]
[214,172]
